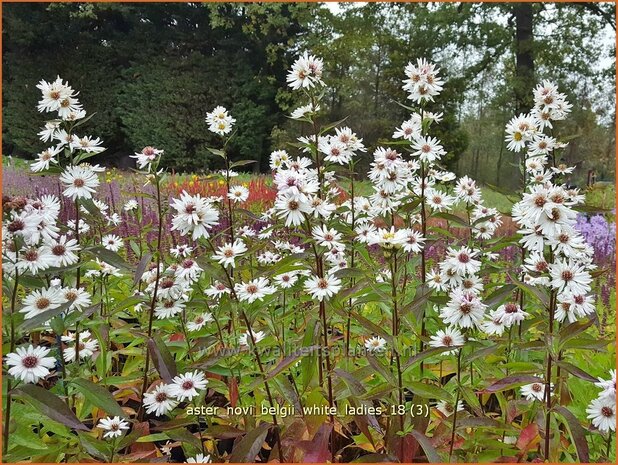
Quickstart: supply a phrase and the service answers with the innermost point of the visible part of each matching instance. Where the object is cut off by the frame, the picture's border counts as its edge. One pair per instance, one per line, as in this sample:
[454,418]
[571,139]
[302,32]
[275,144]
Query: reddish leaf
[578,434]
[223,432]
[162,358]
[528,436]
[177,337]
[141,267]
[510,382]
[411,448]
[430,451]
[514,409]
[247,448]
[375,458]
[316,450]
[576,371]
[139,448]
[50,405]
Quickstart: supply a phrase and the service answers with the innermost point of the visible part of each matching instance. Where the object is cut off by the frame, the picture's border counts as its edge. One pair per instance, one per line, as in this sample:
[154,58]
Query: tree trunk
[524,55]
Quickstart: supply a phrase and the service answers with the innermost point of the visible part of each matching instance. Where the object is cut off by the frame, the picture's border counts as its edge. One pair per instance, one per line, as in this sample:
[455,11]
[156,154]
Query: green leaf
[99,396]
[452,218]
[182,435]
[379,367]
[109,257]
[84,120]
[308,365]
[475,422]
[95,447]
[499,295]
[241,163]
[481,353]
[366,323]
[537,292]
[354,385]
[218,152]
[428,391]
[575,371]
[425,354]
[572,330]
[90,207]
[291,359]
[330,126]
[350,273]
[416,307]
[471,399]
[587,343]
[51,406]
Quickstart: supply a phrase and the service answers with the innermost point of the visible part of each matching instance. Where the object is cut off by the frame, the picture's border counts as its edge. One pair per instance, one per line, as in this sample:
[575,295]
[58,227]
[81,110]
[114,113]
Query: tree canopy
[152,71]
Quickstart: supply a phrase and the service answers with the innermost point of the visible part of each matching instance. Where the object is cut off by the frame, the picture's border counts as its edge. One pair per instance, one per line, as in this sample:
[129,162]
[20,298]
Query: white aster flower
[322,288]
[238,193]
[245,339]
[447,409]
[375,344]
[114,426]
[185,387]
[199,321]
[602,412]
[31,364]
[160,400]
[226,254]
[80,182]
[256,289]
[199,458]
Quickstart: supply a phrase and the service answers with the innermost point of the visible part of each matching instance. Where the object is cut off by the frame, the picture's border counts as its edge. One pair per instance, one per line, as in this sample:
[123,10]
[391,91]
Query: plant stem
[268,393]
[423,255]
[154,295]
[395,330]
[7,415]
[77,284]
[257,358]
[183,327]
[352,257]
[450,453]
[552,306]
[283,321]
[229,201]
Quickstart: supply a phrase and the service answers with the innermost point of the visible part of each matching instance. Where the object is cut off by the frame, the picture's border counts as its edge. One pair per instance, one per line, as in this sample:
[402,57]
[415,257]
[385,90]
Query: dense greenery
[152,71]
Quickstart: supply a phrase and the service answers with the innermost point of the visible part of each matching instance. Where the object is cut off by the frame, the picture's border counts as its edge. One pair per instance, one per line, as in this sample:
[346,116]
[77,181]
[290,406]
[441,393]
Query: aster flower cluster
[526,131]
[220,121]
[164,398]
[58,96]
[37,244]
[558,257]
